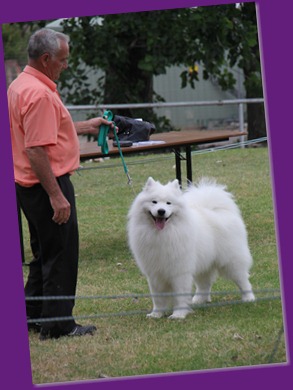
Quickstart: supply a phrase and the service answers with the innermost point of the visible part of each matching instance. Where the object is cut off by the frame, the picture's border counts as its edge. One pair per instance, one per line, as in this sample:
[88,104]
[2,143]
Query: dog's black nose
[161,212]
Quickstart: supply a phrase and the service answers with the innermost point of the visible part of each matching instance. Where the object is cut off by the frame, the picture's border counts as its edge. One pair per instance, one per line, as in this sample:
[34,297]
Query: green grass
[216,336]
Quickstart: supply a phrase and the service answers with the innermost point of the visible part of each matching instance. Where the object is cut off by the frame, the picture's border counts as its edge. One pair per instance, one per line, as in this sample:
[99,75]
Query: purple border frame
[275,29]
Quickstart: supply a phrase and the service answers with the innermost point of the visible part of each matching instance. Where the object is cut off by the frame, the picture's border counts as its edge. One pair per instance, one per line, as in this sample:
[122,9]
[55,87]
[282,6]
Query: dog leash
[103,142]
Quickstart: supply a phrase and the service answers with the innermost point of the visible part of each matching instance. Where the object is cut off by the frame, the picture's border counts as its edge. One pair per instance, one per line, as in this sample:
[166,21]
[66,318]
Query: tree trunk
[129,84]
[256,124]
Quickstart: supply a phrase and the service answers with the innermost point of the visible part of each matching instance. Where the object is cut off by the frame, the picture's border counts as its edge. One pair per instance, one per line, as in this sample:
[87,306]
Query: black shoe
[46,334]
[82,330]
[78,330]
[33,326]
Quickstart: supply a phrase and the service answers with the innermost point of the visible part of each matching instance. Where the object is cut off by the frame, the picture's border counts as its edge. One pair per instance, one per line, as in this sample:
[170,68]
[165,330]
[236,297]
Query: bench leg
[188,164]
[178,158]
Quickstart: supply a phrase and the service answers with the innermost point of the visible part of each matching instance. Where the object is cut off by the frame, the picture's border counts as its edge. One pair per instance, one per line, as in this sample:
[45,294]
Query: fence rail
[239,102]
[165,104]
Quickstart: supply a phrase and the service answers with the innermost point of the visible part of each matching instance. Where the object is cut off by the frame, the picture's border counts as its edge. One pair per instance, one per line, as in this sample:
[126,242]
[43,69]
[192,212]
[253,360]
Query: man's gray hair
[43,41]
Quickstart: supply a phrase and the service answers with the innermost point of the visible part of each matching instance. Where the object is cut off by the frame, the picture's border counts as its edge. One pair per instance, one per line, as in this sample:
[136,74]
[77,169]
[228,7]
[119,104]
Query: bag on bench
[134,130]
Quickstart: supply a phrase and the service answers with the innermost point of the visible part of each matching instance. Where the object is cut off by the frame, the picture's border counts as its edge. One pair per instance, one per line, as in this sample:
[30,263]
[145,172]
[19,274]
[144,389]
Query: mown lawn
[221,335]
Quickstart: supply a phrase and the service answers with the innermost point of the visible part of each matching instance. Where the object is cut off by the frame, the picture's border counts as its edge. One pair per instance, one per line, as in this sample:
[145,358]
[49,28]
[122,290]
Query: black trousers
[53,270]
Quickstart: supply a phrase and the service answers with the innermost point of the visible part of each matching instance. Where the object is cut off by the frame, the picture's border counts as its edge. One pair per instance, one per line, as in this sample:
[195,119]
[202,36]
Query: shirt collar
[40,76]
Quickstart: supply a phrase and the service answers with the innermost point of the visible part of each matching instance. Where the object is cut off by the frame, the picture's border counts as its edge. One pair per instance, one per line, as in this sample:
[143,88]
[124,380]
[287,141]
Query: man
[45,152]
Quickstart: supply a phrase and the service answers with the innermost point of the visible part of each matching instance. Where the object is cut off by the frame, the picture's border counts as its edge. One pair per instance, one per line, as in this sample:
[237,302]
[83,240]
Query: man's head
[48,52]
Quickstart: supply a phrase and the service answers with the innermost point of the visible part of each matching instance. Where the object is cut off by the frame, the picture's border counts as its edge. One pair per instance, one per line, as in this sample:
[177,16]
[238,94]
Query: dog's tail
[209,194]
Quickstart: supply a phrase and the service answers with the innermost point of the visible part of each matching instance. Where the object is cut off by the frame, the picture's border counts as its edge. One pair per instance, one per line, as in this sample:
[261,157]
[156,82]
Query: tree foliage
[132,48]
[15,40]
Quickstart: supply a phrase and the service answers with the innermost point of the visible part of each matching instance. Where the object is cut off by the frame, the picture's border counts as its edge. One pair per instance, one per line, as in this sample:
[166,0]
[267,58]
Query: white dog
[183,237]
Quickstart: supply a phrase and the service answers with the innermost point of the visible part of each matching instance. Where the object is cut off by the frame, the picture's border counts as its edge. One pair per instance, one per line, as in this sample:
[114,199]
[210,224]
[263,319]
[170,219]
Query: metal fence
[240,102]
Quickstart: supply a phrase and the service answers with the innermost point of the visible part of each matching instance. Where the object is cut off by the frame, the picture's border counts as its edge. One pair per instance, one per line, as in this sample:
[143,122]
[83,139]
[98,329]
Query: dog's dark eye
[154,202]
[168,203]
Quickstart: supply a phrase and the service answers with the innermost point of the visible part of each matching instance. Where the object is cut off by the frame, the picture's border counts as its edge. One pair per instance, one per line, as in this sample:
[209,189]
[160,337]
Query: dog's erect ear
[175,184]
[149,183]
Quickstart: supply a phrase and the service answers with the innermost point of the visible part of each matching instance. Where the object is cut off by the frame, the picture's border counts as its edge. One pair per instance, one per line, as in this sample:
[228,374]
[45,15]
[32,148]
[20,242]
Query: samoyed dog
[181,238]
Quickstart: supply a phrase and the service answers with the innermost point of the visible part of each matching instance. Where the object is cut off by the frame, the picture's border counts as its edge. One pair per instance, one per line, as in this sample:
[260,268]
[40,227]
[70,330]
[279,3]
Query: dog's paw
[177,317]
[248,297]
[155,314]
[179,314]
[199,299]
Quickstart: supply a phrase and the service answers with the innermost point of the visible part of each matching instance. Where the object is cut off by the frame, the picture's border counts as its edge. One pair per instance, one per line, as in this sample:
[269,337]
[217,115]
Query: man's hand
[92,126]
[61,208]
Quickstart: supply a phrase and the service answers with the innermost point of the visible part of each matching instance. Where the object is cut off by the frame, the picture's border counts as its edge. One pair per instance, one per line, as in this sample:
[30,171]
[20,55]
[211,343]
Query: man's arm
[41,166]
[92,126]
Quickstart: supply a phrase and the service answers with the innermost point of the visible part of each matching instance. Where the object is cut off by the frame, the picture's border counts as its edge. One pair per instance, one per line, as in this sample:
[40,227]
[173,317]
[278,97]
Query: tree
[227,36]
[132,48]
[14,39]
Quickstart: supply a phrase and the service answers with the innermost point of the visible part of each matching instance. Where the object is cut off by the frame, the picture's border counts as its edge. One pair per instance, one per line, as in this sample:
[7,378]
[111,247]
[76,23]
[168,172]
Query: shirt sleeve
[41,122]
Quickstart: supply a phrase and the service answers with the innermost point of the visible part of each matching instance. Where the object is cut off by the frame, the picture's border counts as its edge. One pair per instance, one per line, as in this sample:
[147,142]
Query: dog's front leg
[160,297]
[182,286]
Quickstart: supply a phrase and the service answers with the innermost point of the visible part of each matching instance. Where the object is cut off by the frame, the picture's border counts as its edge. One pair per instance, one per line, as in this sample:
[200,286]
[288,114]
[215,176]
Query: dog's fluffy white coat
[179,238]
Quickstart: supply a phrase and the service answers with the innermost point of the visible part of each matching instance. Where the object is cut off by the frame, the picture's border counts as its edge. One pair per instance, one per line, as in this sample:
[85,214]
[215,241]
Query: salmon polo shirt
[39,118]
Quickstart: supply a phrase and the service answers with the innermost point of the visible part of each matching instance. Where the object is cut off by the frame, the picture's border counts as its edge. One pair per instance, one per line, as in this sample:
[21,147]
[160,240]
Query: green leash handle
[103,133]
[103,141]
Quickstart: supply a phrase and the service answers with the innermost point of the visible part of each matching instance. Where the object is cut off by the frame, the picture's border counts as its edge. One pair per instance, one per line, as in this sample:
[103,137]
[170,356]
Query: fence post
[241,123]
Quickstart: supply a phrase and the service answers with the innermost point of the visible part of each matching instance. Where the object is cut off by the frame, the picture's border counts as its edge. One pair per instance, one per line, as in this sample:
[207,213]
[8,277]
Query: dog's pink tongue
[160,223]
